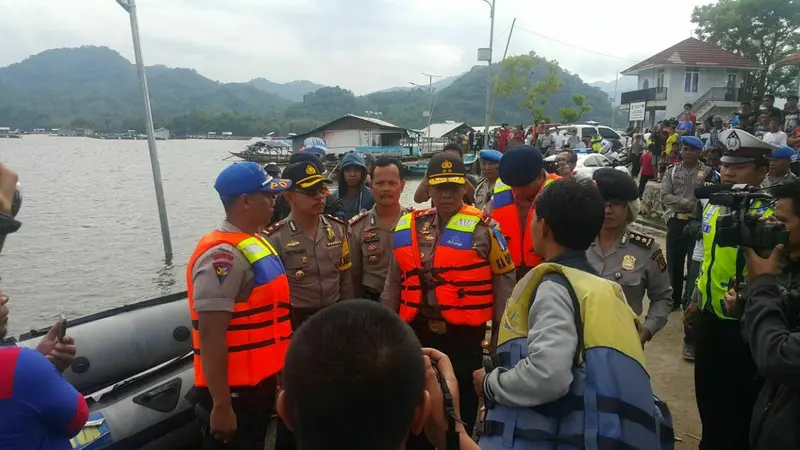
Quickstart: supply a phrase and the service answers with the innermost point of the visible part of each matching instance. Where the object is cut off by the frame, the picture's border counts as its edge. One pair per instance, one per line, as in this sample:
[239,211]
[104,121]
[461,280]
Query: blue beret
[784,152]
[520,165]
[692,141]
[491,155]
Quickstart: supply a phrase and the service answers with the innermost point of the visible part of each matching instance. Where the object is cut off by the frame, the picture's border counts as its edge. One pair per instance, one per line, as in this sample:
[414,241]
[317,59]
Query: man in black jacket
[772,327]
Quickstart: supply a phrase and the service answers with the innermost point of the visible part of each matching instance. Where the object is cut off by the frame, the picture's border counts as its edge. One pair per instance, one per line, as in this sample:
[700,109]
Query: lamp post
[488,58]
[130,7]
[430,104]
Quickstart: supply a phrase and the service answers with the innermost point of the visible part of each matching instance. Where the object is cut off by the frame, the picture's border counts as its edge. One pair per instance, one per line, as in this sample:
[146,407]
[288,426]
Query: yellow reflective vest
[719,263]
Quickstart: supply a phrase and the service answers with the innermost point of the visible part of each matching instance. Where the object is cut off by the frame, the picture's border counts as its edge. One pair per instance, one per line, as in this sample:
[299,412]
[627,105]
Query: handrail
[719,94]
[645,95]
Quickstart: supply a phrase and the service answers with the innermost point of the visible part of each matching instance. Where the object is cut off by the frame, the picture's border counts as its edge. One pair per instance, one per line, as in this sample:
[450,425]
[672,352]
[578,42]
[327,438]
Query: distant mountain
[436,85]
[101,88]
[292,91]
[95,87]
[625,84]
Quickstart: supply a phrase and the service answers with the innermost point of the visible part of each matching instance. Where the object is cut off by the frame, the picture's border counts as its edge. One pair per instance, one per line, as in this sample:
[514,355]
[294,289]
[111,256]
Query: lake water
[90,238]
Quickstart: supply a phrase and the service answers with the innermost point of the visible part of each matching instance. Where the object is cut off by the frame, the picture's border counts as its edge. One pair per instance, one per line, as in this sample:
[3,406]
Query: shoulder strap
[560,279]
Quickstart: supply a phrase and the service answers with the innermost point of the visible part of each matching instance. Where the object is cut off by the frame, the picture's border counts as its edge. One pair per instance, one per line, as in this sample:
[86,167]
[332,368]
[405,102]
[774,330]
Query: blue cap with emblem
[490,155]
[247,178]
[784,152]
[692,142]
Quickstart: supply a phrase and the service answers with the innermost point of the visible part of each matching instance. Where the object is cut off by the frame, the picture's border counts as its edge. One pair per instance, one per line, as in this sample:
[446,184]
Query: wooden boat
[264,152]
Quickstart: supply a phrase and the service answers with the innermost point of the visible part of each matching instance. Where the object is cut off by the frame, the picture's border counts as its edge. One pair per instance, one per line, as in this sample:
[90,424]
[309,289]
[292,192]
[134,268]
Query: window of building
[691,80]
[660,78]
[646,84]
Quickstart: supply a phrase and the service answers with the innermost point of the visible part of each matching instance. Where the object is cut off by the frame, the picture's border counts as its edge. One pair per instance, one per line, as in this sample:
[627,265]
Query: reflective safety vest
[596,142]
[719,263]
[259,330]
[462,280]
[506,213]
[610,404]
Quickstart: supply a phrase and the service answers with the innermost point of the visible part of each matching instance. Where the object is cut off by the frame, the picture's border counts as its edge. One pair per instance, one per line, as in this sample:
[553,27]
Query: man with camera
[772,327]
[724,369]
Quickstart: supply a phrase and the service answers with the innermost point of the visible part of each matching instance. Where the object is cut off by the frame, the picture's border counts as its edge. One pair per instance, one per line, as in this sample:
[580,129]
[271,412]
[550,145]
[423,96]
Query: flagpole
[130,7]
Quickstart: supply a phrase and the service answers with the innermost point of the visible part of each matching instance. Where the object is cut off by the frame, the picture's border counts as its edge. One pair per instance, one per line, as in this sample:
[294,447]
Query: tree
[764,31]
[517,75]
[572,115]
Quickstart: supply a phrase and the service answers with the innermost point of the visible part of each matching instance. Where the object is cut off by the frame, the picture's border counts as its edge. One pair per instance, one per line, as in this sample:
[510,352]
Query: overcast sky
[362,45]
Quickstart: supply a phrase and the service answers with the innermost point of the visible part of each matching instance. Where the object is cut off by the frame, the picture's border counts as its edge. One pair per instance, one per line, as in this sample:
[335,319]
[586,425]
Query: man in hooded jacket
[353,192]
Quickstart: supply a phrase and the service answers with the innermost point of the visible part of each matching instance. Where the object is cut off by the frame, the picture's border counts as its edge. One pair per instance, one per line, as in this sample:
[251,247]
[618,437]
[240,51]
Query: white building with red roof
[691,71]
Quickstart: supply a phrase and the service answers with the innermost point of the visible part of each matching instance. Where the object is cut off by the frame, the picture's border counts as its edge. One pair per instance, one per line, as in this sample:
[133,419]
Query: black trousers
[253,407]
[643,184]
[463,345]
[636,164]
[691,282]
[725,383]
[679,253]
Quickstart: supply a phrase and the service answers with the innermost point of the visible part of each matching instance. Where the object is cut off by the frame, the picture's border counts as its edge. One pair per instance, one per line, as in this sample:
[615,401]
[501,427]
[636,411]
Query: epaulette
[273,228]
[335,219]
[424,212]
[641,240]
[357,218]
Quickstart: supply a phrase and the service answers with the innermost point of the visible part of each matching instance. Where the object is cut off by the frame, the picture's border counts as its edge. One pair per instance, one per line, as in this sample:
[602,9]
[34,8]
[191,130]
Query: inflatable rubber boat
[134,367]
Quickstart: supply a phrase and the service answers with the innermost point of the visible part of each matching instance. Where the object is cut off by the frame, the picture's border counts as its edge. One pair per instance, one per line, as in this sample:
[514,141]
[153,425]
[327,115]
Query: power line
[577,47]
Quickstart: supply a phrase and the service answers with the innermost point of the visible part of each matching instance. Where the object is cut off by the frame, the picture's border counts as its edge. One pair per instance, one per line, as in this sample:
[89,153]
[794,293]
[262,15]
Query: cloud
[362,45]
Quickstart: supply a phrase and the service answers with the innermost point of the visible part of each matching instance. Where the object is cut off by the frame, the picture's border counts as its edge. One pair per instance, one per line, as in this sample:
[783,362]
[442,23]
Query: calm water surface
[90,238]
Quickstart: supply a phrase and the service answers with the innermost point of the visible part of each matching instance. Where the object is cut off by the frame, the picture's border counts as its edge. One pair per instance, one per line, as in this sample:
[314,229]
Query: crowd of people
[384,327]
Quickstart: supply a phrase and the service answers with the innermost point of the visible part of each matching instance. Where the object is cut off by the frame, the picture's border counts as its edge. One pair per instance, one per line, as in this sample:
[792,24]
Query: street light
[489,75]
[130,7]
[430,104]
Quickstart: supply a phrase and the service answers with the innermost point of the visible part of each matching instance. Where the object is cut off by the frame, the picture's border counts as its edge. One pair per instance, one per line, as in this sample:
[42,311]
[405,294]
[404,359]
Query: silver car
[588,163]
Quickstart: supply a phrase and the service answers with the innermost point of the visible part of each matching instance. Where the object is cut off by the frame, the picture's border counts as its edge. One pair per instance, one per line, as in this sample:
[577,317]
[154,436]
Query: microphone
[704,192]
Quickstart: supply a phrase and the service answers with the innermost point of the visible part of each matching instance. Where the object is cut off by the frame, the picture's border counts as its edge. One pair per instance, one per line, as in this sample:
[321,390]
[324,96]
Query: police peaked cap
[520,165]
[615,184]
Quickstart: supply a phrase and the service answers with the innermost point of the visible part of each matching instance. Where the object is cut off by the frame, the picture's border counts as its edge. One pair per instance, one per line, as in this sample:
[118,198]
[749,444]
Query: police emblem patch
[222,268]
[733,142]
[628,262]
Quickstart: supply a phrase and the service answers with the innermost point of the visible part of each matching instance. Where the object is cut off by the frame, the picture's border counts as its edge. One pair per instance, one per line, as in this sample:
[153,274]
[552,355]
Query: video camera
[739,229]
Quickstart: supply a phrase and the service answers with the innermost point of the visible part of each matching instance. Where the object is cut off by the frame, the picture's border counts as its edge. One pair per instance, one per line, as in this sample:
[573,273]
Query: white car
[588,163]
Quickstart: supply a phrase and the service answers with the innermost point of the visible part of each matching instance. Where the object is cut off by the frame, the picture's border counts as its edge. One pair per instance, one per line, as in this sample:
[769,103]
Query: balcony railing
[720,94]
[656,94]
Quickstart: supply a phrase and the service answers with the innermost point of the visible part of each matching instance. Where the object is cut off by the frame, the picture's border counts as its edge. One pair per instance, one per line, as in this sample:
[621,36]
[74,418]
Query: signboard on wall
[637,111]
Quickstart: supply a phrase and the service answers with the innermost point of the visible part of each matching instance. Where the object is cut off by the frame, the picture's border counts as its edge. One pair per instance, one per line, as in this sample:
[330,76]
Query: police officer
[596,143]
[490,162]
[633,260]
[723,367]
[238,298]
[312,246]
[450,274]
[521,178]
[677,194]
[332,205]
[371,231]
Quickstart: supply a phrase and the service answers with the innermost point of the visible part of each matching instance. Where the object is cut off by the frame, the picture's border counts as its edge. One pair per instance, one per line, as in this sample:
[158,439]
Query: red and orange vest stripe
[505,212]
[462,279]
[259,330]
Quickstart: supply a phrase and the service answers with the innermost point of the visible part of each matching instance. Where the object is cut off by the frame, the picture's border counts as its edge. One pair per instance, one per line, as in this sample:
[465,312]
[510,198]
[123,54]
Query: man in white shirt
[556,140]
[775,136]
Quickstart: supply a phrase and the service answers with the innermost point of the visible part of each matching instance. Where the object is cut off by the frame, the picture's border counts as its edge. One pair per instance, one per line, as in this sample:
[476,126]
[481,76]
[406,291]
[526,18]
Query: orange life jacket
[462,280]
[259,330]
[505,212]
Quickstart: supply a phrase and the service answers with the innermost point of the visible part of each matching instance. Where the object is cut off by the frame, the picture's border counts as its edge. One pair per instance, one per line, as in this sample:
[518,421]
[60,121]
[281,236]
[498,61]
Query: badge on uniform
[628,262]
[222,269]
[658,257]
[372,247]
[372,259]
[293,244]
[370,235]
[437,326]
[299,275]
[331,236]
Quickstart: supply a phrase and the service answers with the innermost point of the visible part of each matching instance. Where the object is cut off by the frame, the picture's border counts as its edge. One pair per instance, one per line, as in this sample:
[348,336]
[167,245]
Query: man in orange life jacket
[521,179]
[239,303]
[451,272]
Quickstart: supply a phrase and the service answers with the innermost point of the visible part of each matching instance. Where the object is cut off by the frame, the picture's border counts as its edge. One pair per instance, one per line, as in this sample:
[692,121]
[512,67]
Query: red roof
[693,53]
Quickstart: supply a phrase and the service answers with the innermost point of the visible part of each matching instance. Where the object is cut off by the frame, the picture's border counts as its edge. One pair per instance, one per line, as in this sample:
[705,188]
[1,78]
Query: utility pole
[489,75]
[130,7]
[614,100]
[499,75]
